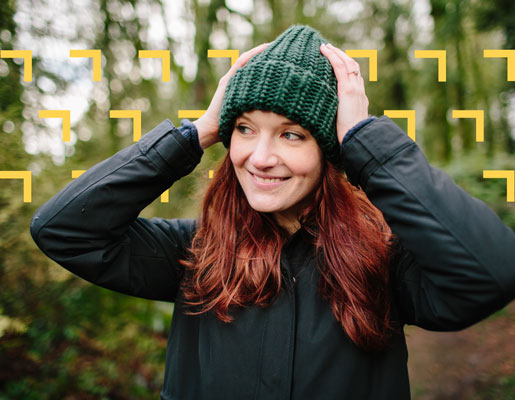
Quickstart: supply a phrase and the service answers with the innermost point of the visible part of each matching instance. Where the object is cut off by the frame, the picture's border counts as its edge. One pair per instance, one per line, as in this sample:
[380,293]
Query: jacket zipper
[292,333]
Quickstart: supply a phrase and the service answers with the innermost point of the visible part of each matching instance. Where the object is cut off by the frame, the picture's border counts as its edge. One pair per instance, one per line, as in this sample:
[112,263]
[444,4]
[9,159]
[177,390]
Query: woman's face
[278,163]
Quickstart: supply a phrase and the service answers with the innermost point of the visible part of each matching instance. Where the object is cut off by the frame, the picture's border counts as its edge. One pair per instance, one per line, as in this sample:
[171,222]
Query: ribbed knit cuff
[190,133]
[356,128]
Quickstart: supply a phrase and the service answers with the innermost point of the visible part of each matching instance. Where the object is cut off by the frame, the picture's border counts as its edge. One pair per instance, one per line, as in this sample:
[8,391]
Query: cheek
[308,166]
[313,177]
[302,170]
[235,154]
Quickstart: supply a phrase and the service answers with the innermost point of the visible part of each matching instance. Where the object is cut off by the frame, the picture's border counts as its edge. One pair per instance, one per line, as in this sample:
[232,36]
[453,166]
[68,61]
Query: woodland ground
[476,363]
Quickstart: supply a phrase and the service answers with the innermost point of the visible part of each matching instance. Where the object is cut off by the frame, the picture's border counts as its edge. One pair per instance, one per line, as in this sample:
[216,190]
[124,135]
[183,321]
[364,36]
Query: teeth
[267,180]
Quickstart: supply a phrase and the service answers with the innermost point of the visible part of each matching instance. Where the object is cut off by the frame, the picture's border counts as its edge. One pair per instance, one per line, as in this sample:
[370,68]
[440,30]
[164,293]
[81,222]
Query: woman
[291,284]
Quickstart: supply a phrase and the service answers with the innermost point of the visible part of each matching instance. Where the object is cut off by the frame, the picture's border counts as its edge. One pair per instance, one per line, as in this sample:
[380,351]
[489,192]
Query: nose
[264,153]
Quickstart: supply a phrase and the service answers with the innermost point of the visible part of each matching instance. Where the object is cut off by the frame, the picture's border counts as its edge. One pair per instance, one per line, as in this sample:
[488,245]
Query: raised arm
[456,260]
[92,228]
[457,264]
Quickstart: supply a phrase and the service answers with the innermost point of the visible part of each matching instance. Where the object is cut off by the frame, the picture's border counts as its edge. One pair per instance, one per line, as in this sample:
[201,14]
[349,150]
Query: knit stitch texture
[290,77]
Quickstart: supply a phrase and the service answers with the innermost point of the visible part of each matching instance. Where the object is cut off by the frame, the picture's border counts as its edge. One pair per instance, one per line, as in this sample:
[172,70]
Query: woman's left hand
[352,100]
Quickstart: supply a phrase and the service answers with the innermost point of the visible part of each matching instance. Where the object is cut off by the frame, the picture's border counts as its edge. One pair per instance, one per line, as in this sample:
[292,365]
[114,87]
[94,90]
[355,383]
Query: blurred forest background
[62,338]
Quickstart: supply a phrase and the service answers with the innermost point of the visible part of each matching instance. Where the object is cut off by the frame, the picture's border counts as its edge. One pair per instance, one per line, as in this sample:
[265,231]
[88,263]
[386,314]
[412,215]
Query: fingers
[352,99]
[244,57]
[344,67]
[216,102]
[351,64]
[252,52]
[340,60]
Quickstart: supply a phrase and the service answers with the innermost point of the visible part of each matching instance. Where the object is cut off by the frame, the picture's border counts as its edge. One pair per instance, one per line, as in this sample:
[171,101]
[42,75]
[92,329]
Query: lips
[267,180]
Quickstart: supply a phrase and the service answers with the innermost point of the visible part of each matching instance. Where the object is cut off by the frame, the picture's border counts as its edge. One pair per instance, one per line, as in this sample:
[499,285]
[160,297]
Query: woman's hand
[207,125]
[352,100]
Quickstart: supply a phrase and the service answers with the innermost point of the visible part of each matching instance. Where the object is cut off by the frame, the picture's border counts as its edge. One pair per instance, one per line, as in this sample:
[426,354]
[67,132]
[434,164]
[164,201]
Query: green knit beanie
[291,77]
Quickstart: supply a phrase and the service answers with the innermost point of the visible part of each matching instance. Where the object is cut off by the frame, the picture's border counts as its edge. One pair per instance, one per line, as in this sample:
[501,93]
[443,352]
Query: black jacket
[456,266]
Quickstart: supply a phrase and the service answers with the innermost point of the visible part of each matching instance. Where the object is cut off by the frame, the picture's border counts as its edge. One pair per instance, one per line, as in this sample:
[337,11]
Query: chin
[264,207]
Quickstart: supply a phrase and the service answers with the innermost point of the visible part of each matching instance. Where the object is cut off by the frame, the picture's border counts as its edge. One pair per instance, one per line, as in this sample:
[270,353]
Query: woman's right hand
[208,124]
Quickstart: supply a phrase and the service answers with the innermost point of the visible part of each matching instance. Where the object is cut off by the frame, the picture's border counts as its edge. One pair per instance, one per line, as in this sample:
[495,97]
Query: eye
[293,136]
[242,128]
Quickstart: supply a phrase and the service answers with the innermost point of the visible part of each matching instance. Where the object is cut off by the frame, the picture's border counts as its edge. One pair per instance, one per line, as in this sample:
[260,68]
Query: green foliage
[61,337]
[87,340]
[501,389]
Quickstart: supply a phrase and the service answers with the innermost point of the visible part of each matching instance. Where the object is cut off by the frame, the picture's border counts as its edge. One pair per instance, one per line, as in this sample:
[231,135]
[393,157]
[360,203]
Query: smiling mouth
[268,180]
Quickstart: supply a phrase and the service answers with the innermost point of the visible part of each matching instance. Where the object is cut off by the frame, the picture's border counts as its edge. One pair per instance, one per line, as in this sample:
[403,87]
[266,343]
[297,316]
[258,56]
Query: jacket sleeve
[456,263]
[92,228]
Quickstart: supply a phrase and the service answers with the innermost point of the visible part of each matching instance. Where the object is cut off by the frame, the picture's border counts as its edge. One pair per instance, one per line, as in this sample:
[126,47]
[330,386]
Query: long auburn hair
[234,257]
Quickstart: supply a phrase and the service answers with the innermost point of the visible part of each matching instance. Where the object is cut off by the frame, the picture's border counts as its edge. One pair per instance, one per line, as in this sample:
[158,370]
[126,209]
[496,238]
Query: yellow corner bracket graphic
[27,61]
[441,56]
[27,182]
[510,59]
[372,61]
[191,113]
[165,196]
[507,174]
[164,55]
[136,120]
[64,115]
[96,55]
[408,114]
[479,116]
[77,172]
[232,54]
